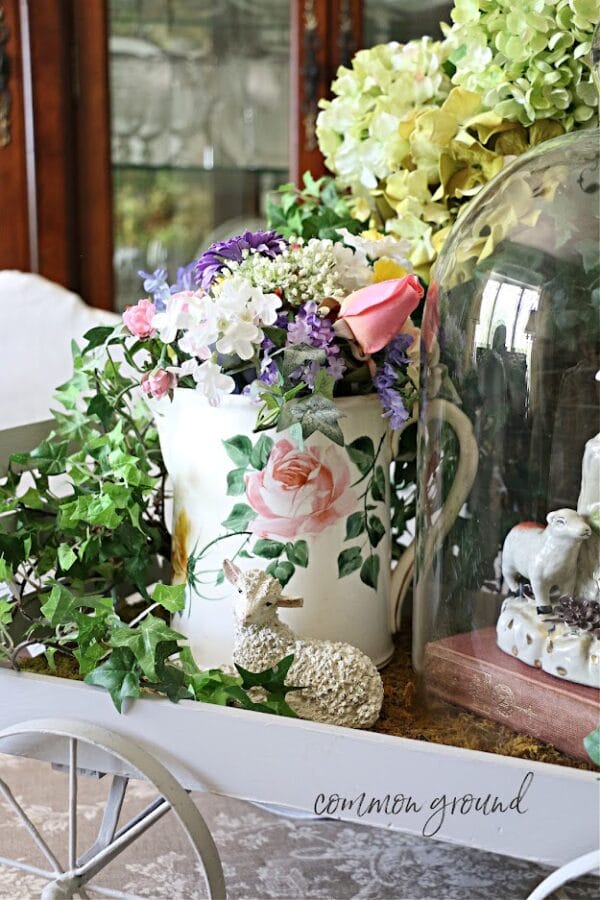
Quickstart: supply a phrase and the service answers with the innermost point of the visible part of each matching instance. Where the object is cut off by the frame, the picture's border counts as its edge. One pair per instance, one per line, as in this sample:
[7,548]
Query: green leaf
[314,413]
[355,525]
[49,457]
[239,449]
[239,518]
[66,557]
[261,452]
[299,355]
[59,606]
[369,573]
[50,653]
[268,549]
[282,571]
[99,406]
[235,482]
[297,553]
[378,484]
[95,337]
[144,640]
[119,675]
[362,453]
[32,499]
[170,596]
[349,561]
[591,742]
[6,573]
[324,384]
[270,679]
[89,658]
[375,530]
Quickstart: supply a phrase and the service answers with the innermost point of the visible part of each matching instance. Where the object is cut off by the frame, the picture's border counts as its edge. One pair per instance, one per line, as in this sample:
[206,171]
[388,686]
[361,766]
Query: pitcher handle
[468,463]
[402,573]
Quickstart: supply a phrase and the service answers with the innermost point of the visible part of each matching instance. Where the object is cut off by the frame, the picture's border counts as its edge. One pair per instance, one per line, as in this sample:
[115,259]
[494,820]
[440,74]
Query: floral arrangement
[415,130]
[290,323]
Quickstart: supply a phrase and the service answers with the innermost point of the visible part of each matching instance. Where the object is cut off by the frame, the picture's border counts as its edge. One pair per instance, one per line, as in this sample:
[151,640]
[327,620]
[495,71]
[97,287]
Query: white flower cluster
[227,322]
[306,271]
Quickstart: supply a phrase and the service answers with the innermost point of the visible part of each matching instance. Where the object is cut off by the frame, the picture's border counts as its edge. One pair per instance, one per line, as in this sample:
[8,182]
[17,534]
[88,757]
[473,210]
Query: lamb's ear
[290,602]
[232,573]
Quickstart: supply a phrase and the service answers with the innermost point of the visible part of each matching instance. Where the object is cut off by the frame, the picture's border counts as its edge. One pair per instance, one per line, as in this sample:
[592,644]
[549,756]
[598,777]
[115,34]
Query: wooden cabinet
[79,184]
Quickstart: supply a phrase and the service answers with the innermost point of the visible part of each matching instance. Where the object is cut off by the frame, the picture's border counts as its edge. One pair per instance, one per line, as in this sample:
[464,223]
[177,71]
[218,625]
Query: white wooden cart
[544,813]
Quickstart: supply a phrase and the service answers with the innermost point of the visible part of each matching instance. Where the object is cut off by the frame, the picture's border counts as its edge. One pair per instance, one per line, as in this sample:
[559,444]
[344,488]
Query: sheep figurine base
[535,628]
[340,684]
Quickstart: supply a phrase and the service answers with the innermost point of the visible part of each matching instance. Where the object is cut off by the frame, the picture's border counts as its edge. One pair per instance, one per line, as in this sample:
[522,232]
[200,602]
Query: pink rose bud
[138,318]
[376,314]
[158,383]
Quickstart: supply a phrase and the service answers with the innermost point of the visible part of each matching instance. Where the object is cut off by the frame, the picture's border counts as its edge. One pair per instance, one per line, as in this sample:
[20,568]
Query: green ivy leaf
[235,482]
[49,457]
[66,557]
[349,561]
[170,596]
[314,413]
[355,525]
[297,553]
[261,452]
[119,675]
[268,549]
[99,406]
[375,530]
[369,573]
[239,518]
[591,742]
[89,658]
[324,384]
[378,484]
[282,571]
[59,606]
[144,640]
[299,355]
[362,453]
[6,572]
[96,337]
[239,449]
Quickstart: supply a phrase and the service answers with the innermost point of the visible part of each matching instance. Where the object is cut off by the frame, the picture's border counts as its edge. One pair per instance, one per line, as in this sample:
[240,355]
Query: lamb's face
[259,595]
[568,524]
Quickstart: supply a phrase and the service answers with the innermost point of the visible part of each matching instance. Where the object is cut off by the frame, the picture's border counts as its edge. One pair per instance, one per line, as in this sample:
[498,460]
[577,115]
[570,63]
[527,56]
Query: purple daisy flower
[214,260]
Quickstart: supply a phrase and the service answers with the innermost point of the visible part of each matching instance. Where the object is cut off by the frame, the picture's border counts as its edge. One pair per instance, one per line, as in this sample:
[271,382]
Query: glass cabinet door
[199,93]
[402,20]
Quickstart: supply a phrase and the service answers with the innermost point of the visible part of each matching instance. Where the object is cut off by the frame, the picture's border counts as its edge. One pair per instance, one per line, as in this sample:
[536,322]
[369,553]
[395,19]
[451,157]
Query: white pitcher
[316,512]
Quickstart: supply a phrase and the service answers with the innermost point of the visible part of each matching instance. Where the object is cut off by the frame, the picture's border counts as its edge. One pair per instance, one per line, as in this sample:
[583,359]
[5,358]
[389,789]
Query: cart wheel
[68,879]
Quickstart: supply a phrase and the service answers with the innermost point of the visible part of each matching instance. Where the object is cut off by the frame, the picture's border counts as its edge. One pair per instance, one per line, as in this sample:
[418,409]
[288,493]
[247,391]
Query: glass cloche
[507,602]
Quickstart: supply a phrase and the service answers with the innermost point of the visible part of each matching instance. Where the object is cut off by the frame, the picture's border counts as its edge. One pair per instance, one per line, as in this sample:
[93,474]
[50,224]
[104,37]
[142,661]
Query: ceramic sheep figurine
[341,684]
[546,557]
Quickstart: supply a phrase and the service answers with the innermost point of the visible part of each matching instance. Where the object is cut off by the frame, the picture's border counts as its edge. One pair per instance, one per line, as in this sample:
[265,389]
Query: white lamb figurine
[341,684]
[546,557]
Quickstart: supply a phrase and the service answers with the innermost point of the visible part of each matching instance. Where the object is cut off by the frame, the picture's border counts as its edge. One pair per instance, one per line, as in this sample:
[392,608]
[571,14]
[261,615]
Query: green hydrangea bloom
[529,59]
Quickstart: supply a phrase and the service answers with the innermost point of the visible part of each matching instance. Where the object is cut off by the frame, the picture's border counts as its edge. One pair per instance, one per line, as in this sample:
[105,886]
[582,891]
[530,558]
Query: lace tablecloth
[264,855]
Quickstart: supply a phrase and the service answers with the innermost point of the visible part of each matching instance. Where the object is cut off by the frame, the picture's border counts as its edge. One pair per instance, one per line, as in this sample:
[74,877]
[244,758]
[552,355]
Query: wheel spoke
[25,867]
[110,819]
[38,839]
[72,803]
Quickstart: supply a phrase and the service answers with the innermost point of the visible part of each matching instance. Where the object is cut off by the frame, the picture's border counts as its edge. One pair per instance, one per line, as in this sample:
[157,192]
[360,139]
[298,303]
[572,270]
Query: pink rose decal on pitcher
[299,492]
